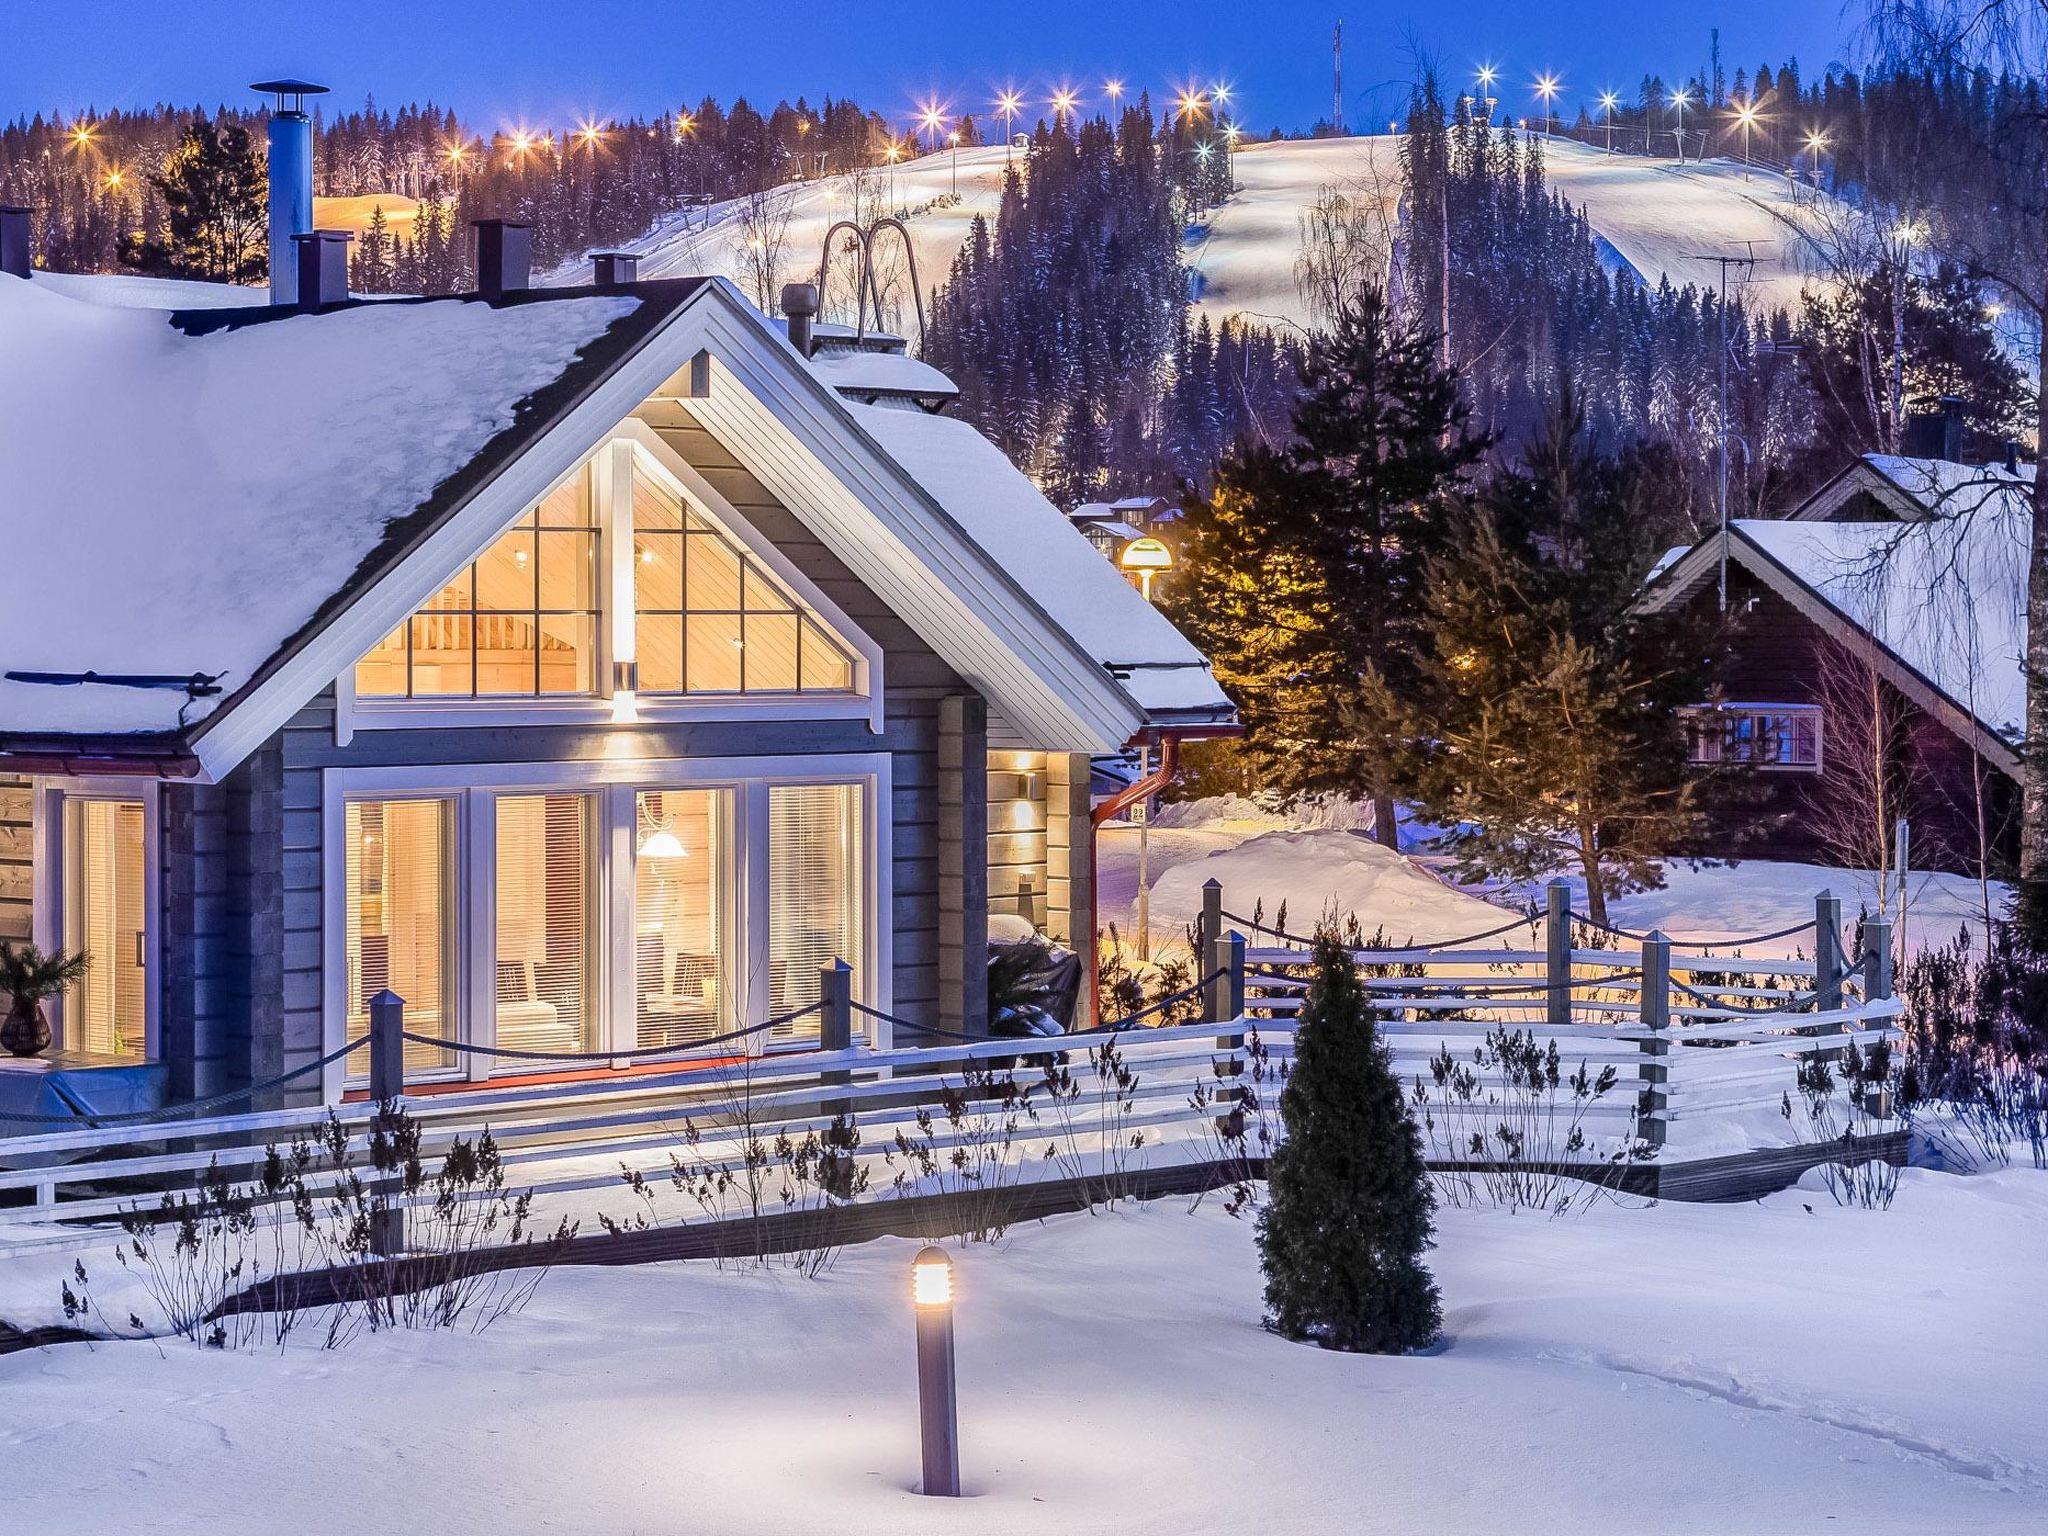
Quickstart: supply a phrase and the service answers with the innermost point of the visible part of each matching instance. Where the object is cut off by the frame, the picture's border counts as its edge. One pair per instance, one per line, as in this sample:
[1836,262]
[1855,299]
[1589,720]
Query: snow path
[1785,1366]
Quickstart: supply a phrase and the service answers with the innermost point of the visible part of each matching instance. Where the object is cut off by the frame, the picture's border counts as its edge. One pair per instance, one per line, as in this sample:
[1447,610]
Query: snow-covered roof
[1114,528]
[870,374]
[185,494]
[132,290]
[1946,596]
[1948,489]
[1058,568]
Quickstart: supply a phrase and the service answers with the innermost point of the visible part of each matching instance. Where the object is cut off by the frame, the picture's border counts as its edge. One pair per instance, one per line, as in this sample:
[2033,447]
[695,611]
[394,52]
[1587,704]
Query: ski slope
[1659,218]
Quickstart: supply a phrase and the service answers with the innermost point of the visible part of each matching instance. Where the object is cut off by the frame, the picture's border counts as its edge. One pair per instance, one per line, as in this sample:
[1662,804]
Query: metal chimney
[504,257]
[320,257]
[800,309]
[291,180]
[17,246]
[616,268]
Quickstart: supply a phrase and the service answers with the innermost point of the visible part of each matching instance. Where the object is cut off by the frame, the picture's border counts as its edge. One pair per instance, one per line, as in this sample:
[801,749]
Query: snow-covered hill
[1660,218]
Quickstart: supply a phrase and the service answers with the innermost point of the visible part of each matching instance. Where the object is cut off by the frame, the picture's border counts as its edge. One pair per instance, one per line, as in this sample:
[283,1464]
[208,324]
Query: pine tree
[1348,1219]
[214,193]
[1301,572]
[373,257]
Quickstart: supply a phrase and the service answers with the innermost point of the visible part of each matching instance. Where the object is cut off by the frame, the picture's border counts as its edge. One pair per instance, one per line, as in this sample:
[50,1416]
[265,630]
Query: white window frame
[636,446]
[46,925]
[1735,709]
[474,787]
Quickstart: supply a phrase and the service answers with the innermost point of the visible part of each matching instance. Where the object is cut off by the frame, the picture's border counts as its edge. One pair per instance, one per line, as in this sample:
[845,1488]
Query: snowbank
[1786,1366]
[1321,868]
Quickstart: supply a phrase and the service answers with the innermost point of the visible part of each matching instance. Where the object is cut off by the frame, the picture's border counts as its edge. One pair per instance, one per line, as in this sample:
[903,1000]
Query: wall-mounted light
[625,692]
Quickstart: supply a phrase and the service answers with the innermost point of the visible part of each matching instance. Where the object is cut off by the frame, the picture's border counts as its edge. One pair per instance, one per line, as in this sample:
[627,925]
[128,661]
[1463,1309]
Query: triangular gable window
[530,618]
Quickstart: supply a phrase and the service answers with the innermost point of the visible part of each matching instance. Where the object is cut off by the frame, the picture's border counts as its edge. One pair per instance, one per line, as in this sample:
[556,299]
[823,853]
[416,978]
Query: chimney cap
[799,298]
[298,90]
[614,269]
[501,223]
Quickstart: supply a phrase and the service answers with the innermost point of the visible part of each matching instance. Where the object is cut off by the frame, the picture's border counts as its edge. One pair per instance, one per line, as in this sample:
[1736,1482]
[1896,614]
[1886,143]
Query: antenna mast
[1337,79]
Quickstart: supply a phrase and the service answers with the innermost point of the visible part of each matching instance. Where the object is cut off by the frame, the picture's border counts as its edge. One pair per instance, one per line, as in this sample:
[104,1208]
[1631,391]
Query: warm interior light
[662,844]
[931,1278]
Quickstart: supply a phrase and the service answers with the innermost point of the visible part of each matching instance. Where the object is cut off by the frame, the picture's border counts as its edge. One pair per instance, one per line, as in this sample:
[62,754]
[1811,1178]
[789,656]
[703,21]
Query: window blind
[546,932]
[107,1010]
[814,893]
[397,920]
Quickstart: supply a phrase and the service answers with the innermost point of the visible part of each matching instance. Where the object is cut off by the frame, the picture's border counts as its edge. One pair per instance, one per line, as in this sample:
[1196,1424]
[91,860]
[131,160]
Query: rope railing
[1484,989]
[1530,922]
[192,1106]
[637,1053]
[1115,1027]
[1642,938]
[1792,1004]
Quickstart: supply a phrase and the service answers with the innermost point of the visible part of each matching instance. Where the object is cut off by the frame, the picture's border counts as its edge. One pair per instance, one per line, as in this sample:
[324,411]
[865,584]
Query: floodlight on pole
[938,1405]
[1680,100]
[1546,88]
[1608,101]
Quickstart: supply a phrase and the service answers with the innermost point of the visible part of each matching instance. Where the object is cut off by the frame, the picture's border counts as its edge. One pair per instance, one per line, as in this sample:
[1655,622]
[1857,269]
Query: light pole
[1546,89]
[1816,141]
[1487,75]
[1147,559]
[954,139]
[1607,102]
[1679,101]
[1007,106]
[938,1408]
[1908,232]
[1745,119]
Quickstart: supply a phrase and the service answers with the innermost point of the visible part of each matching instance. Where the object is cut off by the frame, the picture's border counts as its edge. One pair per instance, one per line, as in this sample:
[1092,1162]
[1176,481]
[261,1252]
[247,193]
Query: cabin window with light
[545,611]
[1772,736]
[519,622]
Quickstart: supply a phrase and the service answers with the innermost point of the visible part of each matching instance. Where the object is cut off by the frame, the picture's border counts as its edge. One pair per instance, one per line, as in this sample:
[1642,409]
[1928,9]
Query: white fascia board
[790,430]
[1696,564]
[1857,476]
[388,601]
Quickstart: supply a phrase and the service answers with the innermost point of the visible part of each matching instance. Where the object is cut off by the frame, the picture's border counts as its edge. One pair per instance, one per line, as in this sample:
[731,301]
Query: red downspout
[1115,805]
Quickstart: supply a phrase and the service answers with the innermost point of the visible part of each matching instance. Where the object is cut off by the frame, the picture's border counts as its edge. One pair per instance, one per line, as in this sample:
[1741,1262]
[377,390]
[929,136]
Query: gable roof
[1939,603]
[292,484]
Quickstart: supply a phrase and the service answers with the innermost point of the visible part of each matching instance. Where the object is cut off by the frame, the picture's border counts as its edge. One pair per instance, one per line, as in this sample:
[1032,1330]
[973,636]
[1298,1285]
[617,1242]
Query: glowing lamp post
[1147,559]
[938,1410]
[1680,100]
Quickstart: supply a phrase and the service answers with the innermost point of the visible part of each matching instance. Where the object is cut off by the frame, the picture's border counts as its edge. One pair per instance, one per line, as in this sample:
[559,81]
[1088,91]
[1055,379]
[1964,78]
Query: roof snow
[1048,556]
[132,290]
[183,498]
[864,373]
[1946,594]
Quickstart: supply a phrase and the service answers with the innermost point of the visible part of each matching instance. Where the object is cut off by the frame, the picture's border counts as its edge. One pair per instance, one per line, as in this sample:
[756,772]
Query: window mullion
[616,522]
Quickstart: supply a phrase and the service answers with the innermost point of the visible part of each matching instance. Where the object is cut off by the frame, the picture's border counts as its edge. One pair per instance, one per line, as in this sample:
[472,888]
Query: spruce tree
[215,196]
[1348,1216]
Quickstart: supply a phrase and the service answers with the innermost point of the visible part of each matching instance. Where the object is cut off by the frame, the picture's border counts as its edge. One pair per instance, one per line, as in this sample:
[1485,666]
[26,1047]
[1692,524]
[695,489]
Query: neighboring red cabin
[1875,671]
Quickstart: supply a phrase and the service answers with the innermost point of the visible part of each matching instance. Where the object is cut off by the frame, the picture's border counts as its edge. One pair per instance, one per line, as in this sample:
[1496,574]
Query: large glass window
[681,987]
[105,916]
[546,932]
[814,892]
[519,622]
[709,616]
[399,886]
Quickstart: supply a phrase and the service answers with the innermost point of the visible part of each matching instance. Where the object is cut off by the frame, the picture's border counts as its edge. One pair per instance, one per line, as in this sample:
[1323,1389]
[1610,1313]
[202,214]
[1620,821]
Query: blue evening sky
[547,64]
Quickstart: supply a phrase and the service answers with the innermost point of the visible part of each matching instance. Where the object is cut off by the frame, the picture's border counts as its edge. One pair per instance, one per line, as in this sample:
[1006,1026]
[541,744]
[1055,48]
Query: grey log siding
[917,685]
[17,858]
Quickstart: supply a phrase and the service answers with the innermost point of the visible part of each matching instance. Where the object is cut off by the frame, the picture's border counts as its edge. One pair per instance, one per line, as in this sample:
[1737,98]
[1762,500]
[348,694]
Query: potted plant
[27,976]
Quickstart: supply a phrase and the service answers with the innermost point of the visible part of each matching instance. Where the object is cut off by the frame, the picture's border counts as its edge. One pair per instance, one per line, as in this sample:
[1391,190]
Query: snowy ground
[1321,859]
[1784,1367]
[1660,218]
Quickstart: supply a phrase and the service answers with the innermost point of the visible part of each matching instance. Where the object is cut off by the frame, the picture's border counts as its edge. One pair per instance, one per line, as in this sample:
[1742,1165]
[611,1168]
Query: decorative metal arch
[865,289]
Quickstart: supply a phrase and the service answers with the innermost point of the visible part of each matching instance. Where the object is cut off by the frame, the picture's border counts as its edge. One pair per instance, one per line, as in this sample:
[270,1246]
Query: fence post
[387,1091]
[835,1024]
[1656,1016]
[1229,1093]
[1827,952]
[1877,983]
[1208,929]
[1557,957]
[1212,955]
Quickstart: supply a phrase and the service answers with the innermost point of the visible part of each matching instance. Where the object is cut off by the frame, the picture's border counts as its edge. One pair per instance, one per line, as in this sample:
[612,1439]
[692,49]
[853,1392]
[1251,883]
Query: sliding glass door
[400,900]
[815,895]
[547,926]
[682,985]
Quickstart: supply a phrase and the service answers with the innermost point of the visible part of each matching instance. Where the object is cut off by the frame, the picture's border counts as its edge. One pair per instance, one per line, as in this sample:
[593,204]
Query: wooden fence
[1700,1042]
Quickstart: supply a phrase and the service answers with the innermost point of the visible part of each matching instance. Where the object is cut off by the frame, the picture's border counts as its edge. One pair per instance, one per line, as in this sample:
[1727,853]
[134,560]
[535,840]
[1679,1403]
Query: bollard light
[931,1288]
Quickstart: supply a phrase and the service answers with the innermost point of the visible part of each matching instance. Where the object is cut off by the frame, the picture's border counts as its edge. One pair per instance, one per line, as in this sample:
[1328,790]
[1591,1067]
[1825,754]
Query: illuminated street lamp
[1008,104]
[1546,88]
[1746,120]
[1816,142]
[1063,103]
[1487,75]
[1114,89]
[1680,100]
[1607,104]
[589,135]
[938,1409]
[1147,559]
